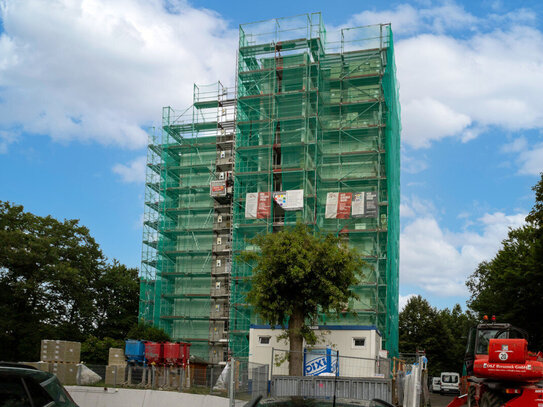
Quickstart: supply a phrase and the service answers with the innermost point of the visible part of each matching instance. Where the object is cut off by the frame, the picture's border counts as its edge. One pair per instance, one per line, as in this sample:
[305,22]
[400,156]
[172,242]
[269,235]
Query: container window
[359,342]
[264,340]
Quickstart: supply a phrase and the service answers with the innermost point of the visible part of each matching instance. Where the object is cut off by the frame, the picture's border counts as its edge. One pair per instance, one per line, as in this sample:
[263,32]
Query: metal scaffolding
[315,117]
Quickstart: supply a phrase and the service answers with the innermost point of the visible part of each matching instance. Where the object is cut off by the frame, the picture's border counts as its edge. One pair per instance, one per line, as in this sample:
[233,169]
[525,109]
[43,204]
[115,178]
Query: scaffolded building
[311,134]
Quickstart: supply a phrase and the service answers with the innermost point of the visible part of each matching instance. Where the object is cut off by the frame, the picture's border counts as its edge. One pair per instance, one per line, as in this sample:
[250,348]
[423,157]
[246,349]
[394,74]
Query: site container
[134,351]
[154,353]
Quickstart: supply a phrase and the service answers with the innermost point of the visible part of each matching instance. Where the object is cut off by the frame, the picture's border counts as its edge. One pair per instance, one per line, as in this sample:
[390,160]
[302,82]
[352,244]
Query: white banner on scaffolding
[292,200]
[330,211]
[295,200]
[251,205]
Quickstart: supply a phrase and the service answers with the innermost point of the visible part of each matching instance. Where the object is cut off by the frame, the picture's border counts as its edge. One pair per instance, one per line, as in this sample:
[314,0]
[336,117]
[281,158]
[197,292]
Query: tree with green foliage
[148,332]
[95,351]
[55,283]
[117,300]
[510,285]
[441,334]
[457,324]
[296,275]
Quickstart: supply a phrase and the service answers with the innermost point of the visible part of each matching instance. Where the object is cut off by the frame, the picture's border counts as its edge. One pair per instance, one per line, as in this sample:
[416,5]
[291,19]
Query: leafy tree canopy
[148,332]
[510,285]
[441,334]
[296,275]
[55,283]
[95,351]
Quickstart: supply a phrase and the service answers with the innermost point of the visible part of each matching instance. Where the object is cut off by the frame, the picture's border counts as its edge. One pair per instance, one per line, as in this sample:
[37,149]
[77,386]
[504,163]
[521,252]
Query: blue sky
[82,81]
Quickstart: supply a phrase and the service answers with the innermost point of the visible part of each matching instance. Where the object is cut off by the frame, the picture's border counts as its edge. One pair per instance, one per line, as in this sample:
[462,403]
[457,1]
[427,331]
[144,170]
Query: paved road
[440,401]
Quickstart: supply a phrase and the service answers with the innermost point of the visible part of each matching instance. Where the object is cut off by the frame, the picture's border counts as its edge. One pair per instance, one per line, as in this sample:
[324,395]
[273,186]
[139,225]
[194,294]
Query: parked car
[435,385]
[22,385]
[450,383]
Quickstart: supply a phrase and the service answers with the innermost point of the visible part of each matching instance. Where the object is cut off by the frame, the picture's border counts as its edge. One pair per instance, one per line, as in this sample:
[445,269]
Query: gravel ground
[437,400]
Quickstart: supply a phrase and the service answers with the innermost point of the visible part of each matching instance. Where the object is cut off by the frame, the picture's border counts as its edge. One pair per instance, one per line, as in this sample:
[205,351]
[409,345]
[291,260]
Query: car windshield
[449,379]
[485,335]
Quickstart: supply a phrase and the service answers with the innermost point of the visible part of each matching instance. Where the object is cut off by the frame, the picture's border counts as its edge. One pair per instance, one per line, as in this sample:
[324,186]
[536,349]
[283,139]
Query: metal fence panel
[323,387]
[370,389]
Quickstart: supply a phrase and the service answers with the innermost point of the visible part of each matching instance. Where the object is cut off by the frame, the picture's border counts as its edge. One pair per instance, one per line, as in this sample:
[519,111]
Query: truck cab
[479,338]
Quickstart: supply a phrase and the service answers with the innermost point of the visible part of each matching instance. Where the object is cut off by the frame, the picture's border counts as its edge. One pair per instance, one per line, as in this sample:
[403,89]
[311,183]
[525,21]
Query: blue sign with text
[320,362]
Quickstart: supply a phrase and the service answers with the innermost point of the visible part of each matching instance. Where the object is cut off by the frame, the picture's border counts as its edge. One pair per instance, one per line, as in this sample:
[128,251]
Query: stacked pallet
[60,351]
[61,358]
[116,367]
[65,372]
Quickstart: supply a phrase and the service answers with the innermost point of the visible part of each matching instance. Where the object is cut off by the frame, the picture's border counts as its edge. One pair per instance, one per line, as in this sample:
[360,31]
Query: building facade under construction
[310,133]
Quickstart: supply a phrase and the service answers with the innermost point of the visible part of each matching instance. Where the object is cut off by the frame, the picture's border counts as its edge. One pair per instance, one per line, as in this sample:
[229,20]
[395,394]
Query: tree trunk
[296,340]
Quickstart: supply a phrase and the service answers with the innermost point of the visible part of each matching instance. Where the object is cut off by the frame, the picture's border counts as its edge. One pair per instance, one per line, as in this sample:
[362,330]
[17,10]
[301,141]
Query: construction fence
[248,381]
[333,364]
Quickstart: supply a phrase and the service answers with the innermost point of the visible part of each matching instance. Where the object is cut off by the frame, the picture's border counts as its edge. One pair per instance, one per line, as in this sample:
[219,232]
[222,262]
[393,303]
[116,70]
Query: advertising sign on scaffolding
[257,205]
[344,205]
[338,205]
[365,205]
[217,188]
[264,205]
[292,200]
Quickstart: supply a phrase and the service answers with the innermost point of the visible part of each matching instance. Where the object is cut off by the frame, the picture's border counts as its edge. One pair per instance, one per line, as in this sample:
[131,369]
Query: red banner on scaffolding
[344,205]
[264,205]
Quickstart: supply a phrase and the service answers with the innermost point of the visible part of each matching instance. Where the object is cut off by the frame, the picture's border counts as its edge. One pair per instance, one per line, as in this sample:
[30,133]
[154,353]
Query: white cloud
[439,261]
[452,87]
[100,70]
[406,211]
[6,138]
[133,172]
[404,299]
[406,19]
[515,146]
[413,206]
[428,119]
[531,160]
[412,165]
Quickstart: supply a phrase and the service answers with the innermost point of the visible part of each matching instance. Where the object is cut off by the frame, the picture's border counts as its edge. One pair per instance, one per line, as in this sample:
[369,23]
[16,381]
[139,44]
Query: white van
[435,385]
[450,383]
